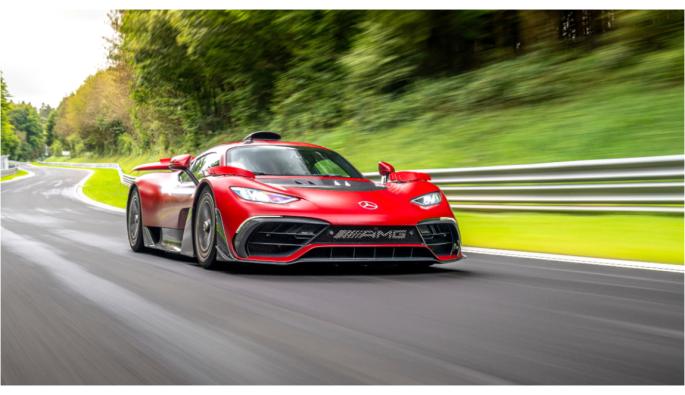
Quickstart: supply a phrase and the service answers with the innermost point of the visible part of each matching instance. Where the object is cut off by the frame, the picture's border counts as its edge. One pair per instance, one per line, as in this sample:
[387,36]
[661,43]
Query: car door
[179,196]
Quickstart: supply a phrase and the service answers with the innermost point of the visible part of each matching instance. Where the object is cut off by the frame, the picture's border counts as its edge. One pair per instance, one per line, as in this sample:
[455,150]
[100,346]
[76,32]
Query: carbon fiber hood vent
[322,183]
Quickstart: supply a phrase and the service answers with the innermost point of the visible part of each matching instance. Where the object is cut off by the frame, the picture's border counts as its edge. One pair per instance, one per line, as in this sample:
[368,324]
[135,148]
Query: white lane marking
[665,267]
[29,175]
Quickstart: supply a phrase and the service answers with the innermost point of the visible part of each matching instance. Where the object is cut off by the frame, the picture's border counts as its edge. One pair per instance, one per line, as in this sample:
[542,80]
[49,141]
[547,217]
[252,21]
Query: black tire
[204,230]
[134,221]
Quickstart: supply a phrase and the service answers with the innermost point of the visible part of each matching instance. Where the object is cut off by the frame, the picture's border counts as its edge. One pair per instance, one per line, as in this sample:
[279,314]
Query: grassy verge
[626,120]
[17,174]
[105,187]
[609,122]
[645,237]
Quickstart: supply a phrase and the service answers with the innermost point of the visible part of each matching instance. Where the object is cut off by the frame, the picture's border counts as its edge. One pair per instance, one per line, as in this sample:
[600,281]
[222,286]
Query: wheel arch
[222,238]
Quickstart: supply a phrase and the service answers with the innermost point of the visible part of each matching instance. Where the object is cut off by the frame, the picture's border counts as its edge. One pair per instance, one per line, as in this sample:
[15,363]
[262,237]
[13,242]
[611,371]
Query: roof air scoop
[261,136]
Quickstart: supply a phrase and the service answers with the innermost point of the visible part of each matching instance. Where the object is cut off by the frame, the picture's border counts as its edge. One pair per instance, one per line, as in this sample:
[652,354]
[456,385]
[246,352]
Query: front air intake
[273,237]
[442,237]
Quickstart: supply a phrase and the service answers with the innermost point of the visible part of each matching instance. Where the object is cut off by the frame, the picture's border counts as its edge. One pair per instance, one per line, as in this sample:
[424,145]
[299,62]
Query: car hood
[360,200]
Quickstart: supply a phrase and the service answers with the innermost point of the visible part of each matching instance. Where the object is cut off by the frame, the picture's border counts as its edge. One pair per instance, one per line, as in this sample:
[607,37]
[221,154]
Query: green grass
[104,186]
[653,238]
[17,174]
[628,120]
[609,122]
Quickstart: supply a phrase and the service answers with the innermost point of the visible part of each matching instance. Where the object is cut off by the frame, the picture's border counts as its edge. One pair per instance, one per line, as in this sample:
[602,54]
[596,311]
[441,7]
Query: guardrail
[7,172]
[649,184]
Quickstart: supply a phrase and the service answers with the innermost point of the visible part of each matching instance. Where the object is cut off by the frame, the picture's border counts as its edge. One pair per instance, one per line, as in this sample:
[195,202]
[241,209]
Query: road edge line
[78,191]
[665,267]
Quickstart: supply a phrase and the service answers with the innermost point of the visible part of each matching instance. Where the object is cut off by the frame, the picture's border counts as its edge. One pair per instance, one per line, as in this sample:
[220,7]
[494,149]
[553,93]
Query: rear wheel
[134,221]
[204,230]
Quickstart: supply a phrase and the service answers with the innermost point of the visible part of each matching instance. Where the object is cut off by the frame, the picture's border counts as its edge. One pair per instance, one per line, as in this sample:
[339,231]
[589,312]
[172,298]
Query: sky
[46,54]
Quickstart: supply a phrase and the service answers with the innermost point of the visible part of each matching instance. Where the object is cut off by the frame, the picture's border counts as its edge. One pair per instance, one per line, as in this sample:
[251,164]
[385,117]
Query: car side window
[183,177]
[200,164]
[211,160]
[196,166]
[203,163]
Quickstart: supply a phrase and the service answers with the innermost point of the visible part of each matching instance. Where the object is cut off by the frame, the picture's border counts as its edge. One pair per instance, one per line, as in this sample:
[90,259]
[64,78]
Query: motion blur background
[419,89]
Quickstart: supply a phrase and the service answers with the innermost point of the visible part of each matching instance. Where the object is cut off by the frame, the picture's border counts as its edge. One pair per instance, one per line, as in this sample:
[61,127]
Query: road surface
[79,307]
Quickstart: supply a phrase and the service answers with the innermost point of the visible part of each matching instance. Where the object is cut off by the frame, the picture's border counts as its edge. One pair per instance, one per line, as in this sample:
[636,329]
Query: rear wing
[163,164]
[179,162]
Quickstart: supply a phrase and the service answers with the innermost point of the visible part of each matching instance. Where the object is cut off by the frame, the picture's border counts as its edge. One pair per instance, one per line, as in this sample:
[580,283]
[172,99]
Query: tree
[193,75]
[97,113]
[50,127]
[26,123]
[9,142]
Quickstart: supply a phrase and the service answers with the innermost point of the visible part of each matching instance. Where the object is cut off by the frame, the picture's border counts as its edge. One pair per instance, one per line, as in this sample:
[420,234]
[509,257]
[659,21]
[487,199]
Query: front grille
[369,235]
[276,237]
[283,236]
[440,236]
[368,253]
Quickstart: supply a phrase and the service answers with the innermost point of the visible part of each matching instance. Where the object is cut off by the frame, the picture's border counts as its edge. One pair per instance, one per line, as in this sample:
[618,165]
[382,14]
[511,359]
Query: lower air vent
[276,236]
[368,254]
[441,236]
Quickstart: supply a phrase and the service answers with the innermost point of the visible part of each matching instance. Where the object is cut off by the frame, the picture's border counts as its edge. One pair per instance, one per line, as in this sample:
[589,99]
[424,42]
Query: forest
[181,80]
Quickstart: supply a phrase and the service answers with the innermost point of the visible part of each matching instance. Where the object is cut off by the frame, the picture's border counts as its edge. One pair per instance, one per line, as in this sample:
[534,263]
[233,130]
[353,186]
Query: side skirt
[168,239]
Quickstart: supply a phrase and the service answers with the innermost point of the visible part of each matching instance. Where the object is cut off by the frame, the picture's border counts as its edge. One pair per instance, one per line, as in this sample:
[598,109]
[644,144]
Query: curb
[78,191]
[664,267]
[31,174]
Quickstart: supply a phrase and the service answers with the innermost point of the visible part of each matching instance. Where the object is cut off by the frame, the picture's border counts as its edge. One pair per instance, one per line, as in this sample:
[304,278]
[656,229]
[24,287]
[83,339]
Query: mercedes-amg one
[267,201]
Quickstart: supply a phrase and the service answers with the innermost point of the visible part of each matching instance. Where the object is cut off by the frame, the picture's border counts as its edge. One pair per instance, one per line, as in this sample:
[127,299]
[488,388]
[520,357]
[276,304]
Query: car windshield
[282,160]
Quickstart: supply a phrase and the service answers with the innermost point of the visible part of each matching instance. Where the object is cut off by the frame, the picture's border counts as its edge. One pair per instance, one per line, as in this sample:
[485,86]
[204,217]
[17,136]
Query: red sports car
[267,201]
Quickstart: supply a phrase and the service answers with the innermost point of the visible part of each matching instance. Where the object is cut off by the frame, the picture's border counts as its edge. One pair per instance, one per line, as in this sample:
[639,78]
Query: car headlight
[428,200]
[256,195]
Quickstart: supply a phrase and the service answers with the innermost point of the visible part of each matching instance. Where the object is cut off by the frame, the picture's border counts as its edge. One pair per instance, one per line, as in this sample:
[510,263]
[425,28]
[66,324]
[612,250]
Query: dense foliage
[27,124]
[96,116]
[10,142]
[183,79]
[22,128]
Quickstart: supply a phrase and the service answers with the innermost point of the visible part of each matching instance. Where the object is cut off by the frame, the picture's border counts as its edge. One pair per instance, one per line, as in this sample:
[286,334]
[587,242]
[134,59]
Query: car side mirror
[385,169]
[180,162]
[229,171]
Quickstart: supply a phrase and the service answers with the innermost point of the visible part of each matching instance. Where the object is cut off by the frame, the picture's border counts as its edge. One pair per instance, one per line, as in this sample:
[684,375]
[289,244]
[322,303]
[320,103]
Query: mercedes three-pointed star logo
[368,205]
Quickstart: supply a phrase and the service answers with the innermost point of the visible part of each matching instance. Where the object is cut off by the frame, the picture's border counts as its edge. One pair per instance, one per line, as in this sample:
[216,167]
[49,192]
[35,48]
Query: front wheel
[134,221]
[204,230]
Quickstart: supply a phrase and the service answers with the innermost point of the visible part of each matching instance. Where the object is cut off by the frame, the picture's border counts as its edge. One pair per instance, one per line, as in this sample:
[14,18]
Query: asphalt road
[79,307]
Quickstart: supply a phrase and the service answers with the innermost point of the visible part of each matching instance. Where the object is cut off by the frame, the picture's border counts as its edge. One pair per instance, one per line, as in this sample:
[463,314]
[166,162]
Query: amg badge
[358,234]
